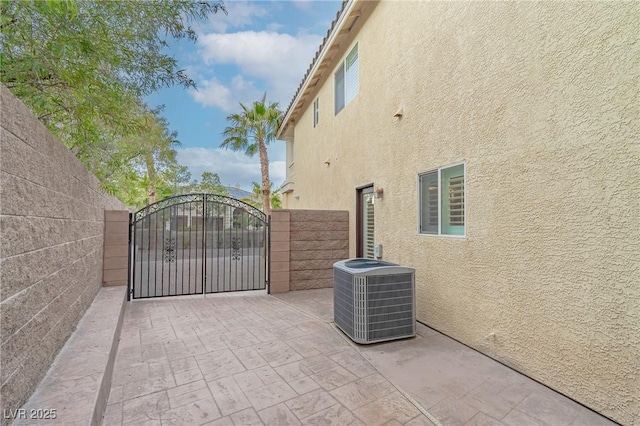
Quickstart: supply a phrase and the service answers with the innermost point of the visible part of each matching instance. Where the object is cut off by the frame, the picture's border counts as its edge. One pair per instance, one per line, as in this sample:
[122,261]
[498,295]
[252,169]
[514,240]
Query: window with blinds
[442,201]
[316,112]
[346,80]
[339,88]
[351,75]
[429,203]
[368,225]
[456,201]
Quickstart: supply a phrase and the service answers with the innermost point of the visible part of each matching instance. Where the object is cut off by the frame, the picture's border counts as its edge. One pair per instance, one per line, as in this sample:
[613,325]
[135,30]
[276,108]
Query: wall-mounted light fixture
[379,192]
[399,113]
[327,161]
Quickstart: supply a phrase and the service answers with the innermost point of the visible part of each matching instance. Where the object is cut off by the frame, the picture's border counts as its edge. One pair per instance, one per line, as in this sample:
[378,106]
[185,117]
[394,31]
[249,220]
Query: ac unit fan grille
[343,300]
[376,305]
[390,309]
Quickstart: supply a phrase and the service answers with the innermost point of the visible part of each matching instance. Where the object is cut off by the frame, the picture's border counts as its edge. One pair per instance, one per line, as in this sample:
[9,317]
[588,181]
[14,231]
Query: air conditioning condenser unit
[373,300]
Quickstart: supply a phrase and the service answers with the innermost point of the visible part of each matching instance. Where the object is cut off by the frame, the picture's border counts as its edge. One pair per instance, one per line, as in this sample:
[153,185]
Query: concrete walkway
[249,358]
[244,359]
[456,384]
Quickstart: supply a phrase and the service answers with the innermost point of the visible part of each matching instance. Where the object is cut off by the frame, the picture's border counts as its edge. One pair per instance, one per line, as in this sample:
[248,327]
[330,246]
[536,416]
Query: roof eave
[312,72]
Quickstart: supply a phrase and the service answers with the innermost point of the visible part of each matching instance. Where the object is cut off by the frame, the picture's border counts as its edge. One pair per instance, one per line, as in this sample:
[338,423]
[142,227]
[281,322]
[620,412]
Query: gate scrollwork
[236,251]
[197,244]
[170,250]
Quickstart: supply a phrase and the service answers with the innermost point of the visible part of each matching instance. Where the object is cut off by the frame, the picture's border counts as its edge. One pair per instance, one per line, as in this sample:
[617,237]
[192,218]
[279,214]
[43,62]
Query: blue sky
[260,46]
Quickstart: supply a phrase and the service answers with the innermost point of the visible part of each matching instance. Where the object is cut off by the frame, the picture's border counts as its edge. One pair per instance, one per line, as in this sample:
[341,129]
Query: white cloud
[232,167]
[213,93]
[303,4]
[239,14]
[278,59]
[277,173]
[274,27]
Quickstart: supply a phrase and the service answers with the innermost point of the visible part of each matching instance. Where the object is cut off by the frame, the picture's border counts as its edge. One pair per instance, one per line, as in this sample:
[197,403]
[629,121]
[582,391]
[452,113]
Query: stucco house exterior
[495,148]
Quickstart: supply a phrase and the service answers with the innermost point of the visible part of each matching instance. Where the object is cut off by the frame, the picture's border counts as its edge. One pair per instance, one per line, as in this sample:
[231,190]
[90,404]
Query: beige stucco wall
[541,100]
[51,248]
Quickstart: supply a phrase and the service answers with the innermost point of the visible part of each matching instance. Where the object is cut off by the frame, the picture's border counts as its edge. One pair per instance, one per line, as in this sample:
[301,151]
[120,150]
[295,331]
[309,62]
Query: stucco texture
[541,101]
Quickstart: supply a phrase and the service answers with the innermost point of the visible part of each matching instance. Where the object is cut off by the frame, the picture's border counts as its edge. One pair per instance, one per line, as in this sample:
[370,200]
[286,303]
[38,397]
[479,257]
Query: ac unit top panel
[361,266]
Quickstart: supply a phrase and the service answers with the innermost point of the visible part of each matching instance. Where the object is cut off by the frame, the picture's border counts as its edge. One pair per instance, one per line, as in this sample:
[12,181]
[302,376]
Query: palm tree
[252,130]
[276,200]
[256,196]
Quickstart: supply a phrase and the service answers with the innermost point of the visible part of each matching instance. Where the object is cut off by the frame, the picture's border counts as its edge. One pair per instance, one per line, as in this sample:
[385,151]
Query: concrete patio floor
[250,358]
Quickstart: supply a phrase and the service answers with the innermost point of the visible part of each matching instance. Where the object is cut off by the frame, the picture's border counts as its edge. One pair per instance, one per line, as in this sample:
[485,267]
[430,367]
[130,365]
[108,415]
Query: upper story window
[442,201]
[316,112]
[346,80]
[290,161]
[290,153]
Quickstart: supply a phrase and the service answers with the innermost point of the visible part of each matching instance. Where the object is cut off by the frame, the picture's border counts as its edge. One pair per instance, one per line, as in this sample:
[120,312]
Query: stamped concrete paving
[248,358]
[244,359]
[456,384]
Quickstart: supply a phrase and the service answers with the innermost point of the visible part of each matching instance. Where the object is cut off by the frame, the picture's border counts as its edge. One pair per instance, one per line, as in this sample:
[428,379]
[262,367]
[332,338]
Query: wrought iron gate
[197,244]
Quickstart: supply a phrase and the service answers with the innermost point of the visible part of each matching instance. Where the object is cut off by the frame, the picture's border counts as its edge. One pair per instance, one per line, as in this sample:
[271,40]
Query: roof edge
[336,26]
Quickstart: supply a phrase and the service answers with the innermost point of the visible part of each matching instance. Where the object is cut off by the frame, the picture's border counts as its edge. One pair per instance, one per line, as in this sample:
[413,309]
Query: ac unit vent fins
[374,301]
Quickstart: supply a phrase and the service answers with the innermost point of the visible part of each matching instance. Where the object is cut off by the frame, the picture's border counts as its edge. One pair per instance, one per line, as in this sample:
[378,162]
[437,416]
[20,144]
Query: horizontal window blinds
[352,82]
[429,203]
[339,92]
[442,201]
[456,201]
[368,220]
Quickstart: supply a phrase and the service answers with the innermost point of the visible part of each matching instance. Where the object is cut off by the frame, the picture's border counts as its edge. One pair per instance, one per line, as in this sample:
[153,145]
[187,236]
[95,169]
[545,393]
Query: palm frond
[252,129]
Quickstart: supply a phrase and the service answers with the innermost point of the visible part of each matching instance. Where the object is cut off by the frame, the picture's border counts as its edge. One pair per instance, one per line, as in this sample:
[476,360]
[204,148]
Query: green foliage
[54,51]
[131,189]
[252,127]
[151,162]
[255,199]
[177,177]
[83,68]
[210,183]
[276,200]
[251,131]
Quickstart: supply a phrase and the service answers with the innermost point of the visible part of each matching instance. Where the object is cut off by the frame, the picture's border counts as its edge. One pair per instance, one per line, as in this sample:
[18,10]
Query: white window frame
[344,70]
[316,112]
[439,170]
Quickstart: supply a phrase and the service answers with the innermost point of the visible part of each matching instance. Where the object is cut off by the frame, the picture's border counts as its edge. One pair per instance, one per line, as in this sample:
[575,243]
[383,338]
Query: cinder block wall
[319,238]
[51,247]
[280,253]
[116,243]
[304,246]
